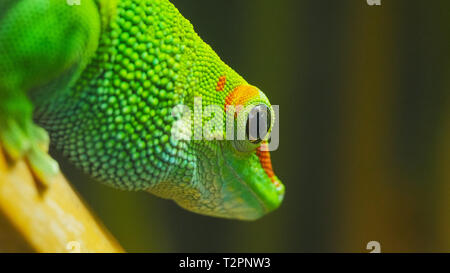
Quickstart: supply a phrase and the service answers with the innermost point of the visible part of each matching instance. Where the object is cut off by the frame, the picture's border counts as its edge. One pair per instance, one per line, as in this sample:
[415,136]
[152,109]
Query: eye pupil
[258,123]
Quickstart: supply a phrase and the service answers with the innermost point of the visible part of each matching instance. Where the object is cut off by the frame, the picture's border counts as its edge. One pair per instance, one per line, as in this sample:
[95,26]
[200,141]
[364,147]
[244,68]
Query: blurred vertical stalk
[442,147]
[442,200]
[375,206]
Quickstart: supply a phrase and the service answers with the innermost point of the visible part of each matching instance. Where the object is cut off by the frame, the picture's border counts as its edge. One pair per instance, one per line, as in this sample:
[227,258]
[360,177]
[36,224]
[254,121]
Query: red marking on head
[221,83]
[241,95]
[266,163]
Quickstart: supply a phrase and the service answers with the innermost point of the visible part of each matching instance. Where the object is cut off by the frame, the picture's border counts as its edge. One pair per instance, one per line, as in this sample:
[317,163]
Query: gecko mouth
[242,181]
[254,175]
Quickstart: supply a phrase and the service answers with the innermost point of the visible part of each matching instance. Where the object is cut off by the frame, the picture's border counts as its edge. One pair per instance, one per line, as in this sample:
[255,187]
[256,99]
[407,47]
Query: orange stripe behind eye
[266,163]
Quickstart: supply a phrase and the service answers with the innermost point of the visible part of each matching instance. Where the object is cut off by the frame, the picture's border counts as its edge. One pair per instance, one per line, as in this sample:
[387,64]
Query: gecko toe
[43,166]
[14,139]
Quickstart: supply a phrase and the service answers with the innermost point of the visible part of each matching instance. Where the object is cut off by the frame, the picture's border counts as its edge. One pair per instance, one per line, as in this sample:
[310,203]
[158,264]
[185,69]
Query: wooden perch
[54,219]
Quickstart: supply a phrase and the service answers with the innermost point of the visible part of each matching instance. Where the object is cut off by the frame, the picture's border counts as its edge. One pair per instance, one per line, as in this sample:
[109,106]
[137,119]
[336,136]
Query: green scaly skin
[103,78]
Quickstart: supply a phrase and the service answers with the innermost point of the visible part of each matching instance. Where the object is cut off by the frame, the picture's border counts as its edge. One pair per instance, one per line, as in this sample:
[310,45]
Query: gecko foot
[30,142]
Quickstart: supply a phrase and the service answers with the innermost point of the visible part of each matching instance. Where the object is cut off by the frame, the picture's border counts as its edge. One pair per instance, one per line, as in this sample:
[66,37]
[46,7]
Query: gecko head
[247,175]
[231,175]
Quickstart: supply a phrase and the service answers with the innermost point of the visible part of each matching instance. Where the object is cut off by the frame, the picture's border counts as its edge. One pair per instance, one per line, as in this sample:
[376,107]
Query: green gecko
[103,77]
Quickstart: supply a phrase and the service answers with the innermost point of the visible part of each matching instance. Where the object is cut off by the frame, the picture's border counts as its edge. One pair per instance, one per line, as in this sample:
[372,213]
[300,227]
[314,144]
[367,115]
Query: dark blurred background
[365,129]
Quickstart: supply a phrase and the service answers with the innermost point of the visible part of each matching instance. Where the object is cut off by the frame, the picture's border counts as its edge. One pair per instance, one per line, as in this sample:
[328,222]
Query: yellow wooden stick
[53,219]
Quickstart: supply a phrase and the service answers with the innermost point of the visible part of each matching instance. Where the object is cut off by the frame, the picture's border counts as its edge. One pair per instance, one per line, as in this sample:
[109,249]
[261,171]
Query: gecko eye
[258,124]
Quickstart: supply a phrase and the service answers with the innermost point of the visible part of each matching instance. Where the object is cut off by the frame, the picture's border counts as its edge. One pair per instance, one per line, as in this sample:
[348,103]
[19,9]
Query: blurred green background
[365,128]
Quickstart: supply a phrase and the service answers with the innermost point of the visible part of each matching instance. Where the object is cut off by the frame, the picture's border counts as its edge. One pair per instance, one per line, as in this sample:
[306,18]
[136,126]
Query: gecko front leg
[44,46]
[22,139]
